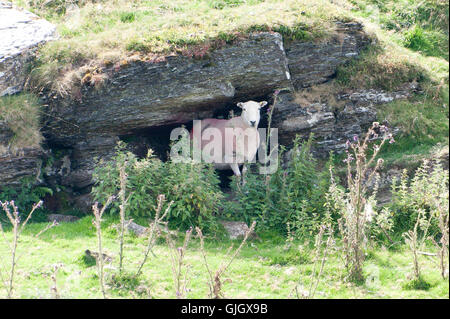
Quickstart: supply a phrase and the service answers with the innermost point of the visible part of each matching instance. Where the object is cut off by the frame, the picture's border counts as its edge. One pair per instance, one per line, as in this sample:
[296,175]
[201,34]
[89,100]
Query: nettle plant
[292,196]
[356,204]
[193,188]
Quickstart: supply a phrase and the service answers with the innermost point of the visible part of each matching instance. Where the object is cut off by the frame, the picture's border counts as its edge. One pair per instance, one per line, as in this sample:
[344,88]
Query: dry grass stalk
[154,229]
[180,269]
[53,224]
[98,213]
[54,288]
[122,207]
[215,281]
[320,257]
[316,276]
[18,227]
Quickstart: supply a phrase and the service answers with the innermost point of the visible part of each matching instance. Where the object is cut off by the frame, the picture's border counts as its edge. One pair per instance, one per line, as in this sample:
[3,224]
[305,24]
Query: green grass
[419,25]
[429,42]
[424,128]
[274,269]
[22,115]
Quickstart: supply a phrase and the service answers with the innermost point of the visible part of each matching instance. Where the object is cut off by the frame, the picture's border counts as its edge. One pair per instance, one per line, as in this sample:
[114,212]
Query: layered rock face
[21,32]
[25,164]
[18,163]
[332,123]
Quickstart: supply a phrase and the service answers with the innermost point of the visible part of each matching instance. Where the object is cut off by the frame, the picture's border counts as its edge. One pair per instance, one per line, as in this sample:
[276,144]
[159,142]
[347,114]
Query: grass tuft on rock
[21,114]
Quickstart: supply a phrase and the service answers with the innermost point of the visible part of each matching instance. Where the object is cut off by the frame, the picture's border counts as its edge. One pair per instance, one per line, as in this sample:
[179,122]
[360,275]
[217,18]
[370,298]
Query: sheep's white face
[250,112]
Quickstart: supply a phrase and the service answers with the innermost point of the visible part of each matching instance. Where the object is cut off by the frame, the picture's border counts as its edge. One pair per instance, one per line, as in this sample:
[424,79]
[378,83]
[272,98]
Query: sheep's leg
[237,172]
[244,172]
[235,168]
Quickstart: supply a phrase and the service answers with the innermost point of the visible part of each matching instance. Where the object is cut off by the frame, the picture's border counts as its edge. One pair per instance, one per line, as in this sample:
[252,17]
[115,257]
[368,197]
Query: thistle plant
[415,241]
[437,195]
[98,213]
[356,205]
[426,195]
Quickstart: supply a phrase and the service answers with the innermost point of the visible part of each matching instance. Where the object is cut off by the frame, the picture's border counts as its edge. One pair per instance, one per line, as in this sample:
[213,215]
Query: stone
[62,218]
[93,255]
[5,133]
[84,202]
[136,229]
[235,229]
[21,32]
[85,155]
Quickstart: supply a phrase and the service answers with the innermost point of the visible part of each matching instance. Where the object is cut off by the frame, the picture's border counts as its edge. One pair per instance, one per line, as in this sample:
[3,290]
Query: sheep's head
[250,112]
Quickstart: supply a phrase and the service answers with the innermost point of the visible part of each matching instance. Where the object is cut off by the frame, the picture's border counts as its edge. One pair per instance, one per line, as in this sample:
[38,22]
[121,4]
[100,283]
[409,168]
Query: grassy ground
[264,269]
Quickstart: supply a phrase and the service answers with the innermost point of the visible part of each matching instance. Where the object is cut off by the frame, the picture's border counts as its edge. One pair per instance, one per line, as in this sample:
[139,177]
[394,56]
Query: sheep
[233,142]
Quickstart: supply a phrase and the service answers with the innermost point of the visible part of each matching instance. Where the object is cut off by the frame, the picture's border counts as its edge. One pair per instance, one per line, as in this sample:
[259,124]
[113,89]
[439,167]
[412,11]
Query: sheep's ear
[262,104]
[240,104]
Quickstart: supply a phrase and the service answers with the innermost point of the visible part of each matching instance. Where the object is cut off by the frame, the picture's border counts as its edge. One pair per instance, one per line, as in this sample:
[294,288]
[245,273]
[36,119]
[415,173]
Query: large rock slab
[58,218]
[147,94]
[138,95]
[235,229]
[20,32]
[85,156]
